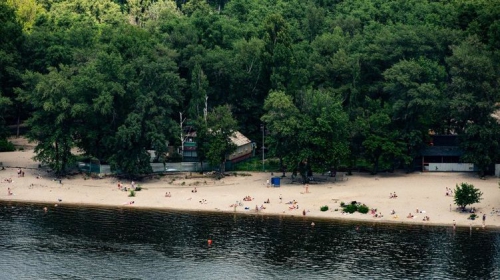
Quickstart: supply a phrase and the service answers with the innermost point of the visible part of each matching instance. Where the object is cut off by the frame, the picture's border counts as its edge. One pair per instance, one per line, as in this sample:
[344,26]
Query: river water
[115,243]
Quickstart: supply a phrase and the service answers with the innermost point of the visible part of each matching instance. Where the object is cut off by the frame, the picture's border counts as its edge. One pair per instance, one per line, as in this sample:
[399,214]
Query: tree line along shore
[339,84]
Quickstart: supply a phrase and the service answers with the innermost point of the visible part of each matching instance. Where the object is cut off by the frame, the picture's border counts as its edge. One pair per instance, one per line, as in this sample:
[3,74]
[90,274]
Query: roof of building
[444,151]
[240,139]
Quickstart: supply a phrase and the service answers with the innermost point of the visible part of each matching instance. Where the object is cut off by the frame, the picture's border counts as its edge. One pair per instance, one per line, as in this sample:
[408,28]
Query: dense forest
[331,82]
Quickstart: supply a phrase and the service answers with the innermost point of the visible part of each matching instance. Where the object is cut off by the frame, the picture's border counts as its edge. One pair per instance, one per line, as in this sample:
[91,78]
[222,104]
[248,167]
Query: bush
[132,193]
[324,208]
[472,216]
[6,146]
[351,208]
[363,209]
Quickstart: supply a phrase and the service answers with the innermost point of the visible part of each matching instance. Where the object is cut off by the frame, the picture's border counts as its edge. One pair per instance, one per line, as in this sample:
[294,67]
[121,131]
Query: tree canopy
[336,83]
[466,194]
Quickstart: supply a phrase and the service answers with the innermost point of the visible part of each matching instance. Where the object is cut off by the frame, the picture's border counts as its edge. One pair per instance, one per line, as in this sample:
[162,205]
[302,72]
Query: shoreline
[424,192]
[353,220]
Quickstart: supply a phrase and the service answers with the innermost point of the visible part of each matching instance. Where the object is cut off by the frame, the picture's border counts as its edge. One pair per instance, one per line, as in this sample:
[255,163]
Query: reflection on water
[97,243]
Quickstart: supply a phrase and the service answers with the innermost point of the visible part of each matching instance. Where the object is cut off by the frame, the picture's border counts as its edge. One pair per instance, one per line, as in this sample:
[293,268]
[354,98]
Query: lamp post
[263,128]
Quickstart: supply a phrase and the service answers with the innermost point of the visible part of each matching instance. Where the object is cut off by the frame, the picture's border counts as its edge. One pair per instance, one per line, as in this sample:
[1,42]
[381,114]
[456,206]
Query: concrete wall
[497,170]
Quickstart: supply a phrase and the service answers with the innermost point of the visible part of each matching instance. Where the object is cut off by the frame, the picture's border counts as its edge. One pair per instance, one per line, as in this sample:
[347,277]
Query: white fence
[450,167]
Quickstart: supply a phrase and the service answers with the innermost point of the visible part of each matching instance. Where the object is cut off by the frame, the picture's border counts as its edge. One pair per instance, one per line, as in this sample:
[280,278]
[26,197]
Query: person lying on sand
[410,216]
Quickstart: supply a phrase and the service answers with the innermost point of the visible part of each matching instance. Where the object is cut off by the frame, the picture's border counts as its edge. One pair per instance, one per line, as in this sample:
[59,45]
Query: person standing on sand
[281,199]
[484,220]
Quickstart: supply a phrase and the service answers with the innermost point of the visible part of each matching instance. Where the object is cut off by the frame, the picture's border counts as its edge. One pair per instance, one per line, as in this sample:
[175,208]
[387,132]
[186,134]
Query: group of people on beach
[393,195]
[247,198]
[124,188]
[20,172]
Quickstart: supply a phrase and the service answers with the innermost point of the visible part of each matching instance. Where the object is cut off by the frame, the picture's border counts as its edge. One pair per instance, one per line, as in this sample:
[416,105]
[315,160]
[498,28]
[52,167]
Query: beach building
[244,147]
[443,155]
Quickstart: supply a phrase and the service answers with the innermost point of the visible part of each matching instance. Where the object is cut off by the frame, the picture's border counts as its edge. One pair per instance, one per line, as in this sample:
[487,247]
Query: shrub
[351,208]
[6,146]
[324,208]
[472,216]
[363,209]
[132,193]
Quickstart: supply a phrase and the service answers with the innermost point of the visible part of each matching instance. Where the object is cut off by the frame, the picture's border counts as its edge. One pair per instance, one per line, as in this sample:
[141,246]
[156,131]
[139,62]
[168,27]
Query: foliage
[215,137]
[353,207]
[132,193]
[363,209]
[335,82]
[475,96]
[466,194]
[6,146]
[350,208]
[324,208]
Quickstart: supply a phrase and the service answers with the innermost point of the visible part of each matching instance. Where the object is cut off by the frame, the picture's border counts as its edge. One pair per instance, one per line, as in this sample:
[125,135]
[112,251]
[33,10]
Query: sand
[422,191]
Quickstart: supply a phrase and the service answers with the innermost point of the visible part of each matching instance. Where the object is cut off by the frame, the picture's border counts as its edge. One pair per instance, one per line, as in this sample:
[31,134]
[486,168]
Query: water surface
[99,243]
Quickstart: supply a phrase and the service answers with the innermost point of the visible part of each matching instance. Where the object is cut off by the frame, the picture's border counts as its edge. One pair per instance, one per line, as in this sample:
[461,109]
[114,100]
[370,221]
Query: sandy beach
[423,191]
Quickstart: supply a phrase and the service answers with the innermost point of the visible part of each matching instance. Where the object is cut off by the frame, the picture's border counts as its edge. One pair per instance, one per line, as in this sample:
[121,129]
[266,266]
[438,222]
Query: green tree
[466,194]
[54,98]
[322,135]
[380,143]
[221,127]
[282,121]
[415,88]
[11,39]
[475,96]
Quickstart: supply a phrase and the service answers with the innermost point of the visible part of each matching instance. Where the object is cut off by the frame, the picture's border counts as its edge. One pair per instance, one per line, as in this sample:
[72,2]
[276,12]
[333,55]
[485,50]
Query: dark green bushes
[353,207]
[6,146]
